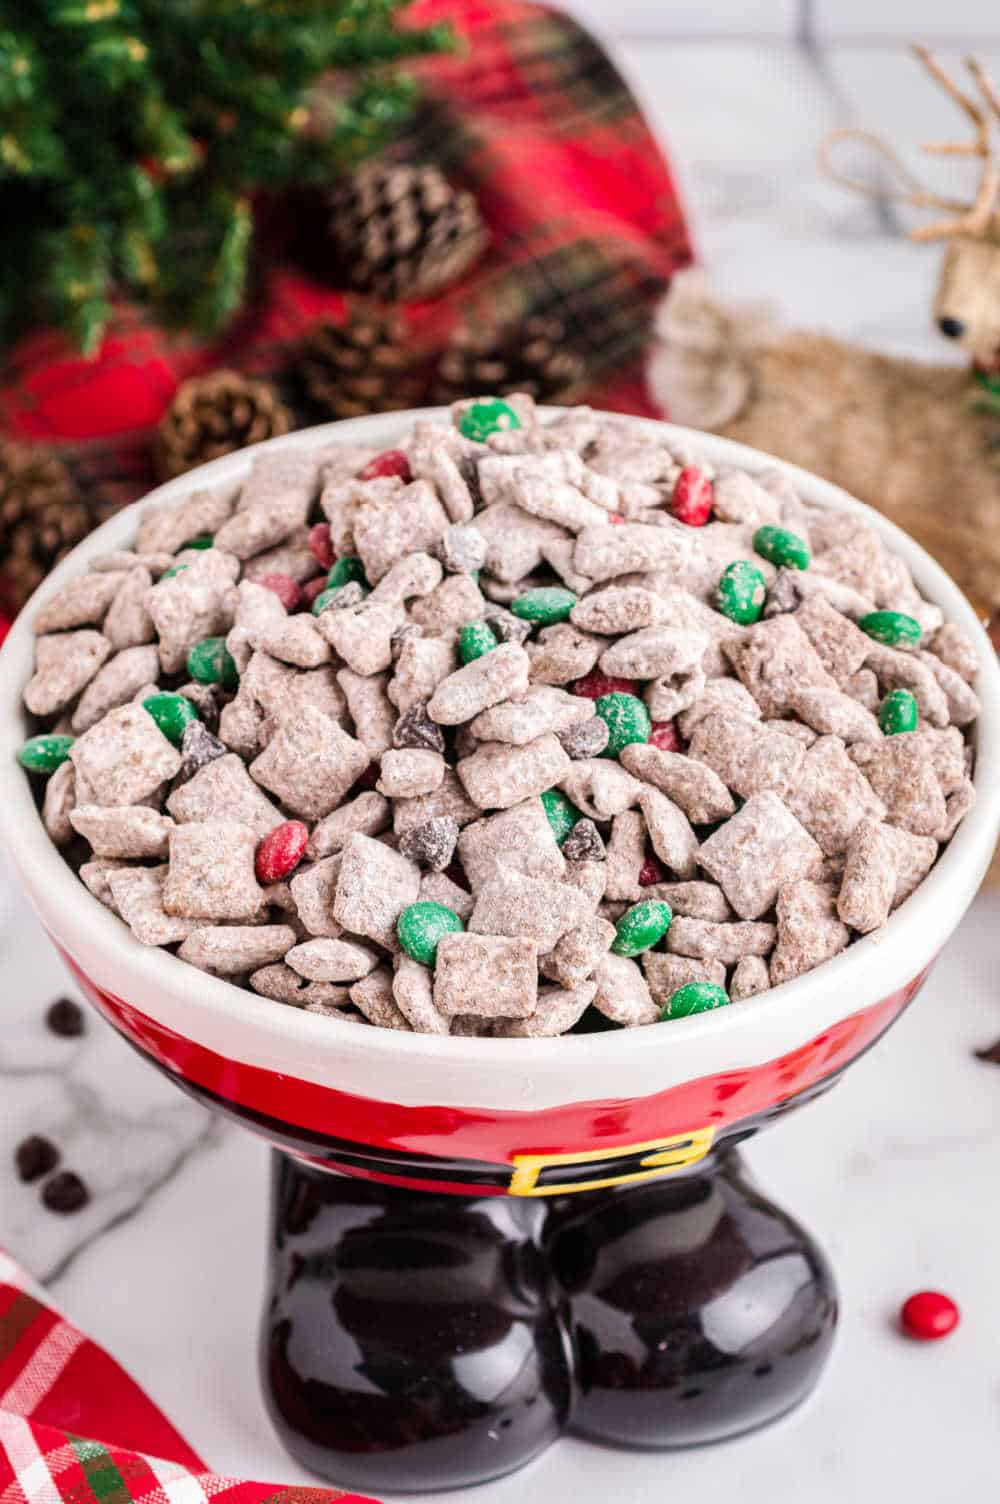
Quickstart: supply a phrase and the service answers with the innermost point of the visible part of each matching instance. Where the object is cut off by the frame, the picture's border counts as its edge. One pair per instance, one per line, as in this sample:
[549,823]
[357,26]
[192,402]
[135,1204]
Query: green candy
[894,628]
[898,712]
[741,592]
[779,546]
[561,814]
[328,596]
[627,720]
[346,569]
[696,997]
[484,418]
[641,926]
[204,540]
[547,604]
[170,573]
[210,662]
[475,639]
[171,713]
[43,754]
[420,927]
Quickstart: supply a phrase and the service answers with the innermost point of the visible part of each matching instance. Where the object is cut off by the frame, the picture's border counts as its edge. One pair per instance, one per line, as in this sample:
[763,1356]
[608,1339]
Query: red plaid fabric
[584,220]
[75,1429]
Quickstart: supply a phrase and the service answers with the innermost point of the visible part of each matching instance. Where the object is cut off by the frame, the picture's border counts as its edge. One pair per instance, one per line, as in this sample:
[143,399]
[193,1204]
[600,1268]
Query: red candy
[651,872]
[665,736]
[281,851]
[616,519]
[593,685]
[929,1315]
[692,499]
[322,547]
[389,462]
[284,587]
[312,588]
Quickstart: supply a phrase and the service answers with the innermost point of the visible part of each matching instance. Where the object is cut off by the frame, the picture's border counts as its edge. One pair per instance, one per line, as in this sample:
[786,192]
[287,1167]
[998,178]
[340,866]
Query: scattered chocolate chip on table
[34,1157]
[65,1018]
[65,1192]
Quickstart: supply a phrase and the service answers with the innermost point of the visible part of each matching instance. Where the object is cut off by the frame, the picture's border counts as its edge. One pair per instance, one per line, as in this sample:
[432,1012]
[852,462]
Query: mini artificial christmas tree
[134,132]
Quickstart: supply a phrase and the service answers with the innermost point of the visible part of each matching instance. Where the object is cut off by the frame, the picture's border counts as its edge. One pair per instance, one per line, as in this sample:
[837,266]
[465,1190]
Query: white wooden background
[741,92]
[836,20]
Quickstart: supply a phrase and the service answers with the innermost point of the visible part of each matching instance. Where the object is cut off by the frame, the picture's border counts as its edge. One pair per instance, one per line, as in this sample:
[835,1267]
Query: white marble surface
[896,1170]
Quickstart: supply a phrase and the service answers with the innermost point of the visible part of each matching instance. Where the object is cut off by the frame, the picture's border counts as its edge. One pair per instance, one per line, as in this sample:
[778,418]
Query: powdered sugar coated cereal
[522,707]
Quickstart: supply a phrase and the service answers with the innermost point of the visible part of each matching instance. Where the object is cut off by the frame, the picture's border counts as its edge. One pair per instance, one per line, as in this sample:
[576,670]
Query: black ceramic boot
[699,1308]
[410,1340]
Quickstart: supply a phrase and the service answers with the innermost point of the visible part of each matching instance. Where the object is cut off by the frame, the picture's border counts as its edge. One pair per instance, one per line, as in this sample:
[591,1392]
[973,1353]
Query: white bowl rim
[917,930]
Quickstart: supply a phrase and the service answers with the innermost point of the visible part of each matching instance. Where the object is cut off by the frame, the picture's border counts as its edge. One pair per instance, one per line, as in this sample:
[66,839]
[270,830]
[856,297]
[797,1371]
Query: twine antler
[961,218]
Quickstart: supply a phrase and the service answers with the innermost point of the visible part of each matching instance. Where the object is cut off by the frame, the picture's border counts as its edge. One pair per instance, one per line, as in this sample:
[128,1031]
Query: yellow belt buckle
[658,1155]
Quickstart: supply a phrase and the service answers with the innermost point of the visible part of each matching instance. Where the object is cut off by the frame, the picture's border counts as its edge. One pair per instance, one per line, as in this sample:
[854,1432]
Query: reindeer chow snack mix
[546,726]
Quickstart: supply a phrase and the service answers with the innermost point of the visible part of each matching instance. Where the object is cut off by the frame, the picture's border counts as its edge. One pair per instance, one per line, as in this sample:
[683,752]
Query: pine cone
[214,415]
[404,232]
[528,357]
[362,366]
[42,517]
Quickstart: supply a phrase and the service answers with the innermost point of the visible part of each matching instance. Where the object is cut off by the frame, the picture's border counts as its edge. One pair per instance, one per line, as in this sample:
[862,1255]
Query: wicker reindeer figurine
[921,442]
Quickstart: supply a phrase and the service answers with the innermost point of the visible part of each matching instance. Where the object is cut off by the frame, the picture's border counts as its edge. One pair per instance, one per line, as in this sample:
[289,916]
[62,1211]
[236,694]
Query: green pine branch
[134,133]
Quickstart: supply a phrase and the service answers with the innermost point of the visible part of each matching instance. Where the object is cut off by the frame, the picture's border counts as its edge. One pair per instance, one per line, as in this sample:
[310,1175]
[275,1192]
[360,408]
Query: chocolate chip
[65,1192]
[432,844]
[198,748]
[408,629]
[207,700]
[506,626]
[584,844]
[34,1157]
[65,1018]
[585,738]
[462,549]
[468,464]
[783,595]
[416,729]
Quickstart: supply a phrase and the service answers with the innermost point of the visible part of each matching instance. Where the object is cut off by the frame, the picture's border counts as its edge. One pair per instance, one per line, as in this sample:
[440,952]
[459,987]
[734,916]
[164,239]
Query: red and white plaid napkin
[75,1429]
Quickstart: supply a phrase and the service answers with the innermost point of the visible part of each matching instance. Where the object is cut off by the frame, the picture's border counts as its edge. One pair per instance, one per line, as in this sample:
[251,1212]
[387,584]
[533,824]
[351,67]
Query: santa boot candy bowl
[481,1243]
[419,1340]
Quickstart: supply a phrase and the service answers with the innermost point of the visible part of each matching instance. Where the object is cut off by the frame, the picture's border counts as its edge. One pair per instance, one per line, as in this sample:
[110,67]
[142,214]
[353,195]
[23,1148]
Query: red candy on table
[281,851]
[928,1315]
[389,462]
[692,499]
[616,519]
[284,587]
[593,685]
[665,736]
[321,545]
[651,872]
